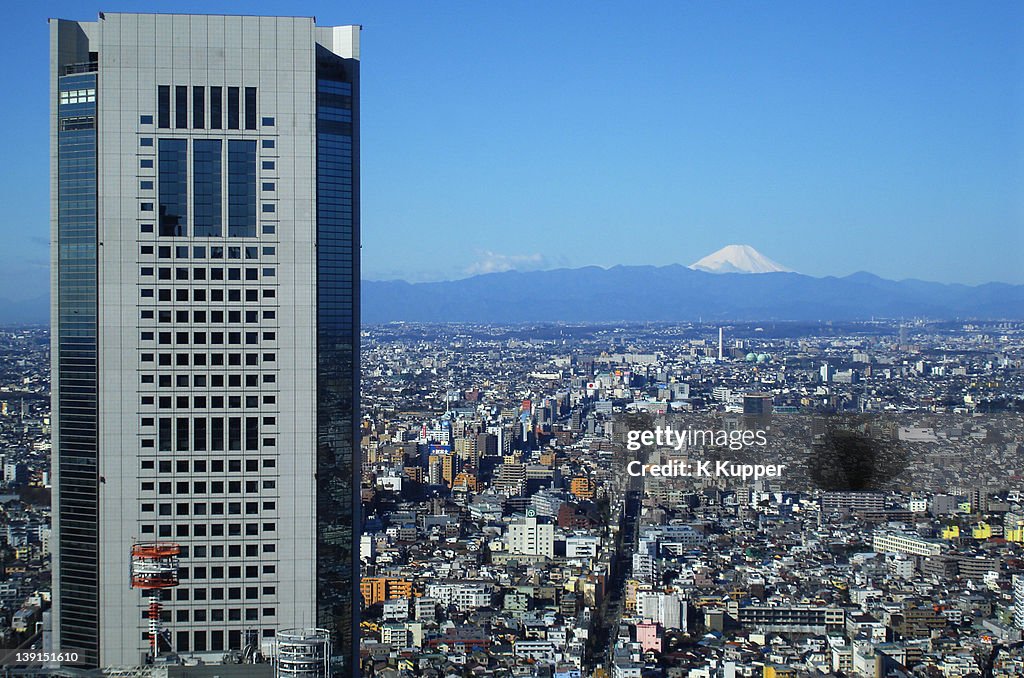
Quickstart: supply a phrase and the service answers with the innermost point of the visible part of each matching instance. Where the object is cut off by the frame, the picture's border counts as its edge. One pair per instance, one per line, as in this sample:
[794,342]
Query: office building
[528,536]
[911,544]
[205,229]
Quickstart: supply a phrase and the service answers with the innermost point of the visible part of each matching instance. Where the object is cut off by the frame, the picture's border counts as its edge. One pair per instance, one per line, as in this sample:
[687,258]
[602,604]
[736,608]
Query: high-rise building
[205,228]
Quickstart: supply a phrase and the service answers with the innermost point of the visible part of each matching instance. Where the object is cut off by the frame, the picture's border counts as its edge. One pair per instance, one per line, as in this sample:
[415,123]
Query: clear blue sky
[834,137]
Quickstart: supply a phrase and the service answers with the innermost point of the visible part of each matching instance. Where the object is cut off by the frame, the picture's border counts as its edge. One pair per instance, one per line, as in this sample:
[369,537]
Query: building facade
[205,315]
[528,536]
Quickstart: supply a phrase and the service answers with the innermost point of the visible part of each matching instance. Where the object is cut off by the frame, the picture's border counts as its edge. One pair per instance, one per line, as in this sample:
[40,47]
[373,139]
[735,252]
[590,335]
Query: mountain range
[720,287]
[679,293]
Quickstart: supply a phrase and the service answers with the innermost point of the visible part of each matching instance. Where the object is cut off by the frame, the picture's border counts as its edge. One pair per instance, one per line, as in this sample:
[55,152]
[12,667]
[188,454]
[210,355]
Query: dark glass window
[75,381]
[216,108]
[241,188]
[250,108]
[217,433]
[181,431]
[199,107]
[233,105]
[145,119]
[234,433]
[164,435]
[206,188]
[337,337]
[163,106]
[268,122]
[172,186]
[252,433]
[181,107]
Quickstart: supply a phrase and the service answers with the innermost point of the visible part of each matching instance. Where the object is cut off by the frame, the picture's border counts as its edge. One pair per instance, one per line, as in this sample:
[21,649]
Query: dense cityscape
[516,521]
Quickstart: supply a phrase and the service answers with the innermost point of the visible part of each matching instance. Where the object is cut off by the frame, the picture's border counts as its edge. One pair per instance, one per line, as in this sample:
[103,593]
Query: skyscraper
[205,328]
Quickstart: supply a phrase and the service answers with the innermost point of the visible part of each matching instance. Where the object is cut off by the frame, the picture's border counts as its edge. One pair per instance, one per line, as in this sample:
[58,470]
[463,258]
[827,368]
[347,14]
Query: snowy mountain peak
[738,259]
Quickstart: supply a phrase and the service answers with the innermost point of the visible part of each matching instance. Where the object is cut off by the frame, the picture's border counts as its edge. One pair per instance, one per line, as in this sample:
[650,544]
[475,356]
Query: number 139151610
[37,657]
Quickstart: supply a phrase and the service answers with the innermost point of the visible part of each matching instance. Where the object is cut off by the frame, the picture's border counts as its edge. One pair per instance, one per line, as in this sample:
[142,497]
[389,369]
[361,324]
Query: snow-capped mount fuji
[738,259]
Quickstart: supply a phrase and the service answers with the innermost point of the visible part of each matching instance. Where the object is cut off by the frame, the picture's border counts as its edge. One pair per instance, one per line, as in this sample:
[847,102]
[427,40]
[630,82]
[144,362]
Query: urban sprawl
[516,522]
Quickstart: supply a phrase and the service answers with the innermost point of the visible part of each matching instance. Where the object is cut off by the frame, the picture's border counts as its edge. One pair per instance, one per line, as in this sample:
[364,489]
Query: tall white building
[205,229]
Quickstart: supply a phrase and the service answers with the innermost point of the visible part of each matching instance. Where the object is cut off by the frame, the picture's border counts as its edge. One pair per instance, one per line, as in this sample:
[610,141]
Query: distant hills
[679,293]
[649,293]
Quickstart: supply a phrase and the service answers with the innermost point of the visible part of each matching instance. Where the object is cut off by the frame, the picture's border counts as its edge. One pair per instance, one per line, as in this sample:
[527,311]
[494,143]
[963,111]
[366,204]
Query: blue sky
[834,137]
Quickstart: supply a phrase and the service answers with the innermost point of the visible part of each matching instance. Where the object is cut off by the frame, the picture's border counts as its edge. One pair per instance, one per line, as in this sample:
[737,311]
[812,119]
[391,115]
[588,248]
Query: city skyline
[832,139]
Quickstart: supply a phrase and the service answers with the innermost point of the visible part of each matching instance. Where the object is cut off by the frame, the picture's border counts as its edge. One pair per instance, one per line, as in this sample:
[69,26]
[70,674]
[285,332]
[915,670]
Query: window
[145,119]
[145,141]
[268,122]
[252,433]
[181,107]
[216,108]
[146,185]
[250,108]
[173,189]
[146,163]
[241,188]
[182,434]
[267,143]
[268,185]
[206,188]
[233,106]
[164,435]
[198,107]
[234,433]
[199,433]
[268,164]
[78,96]
[163,99]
